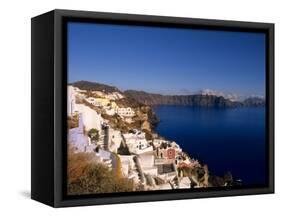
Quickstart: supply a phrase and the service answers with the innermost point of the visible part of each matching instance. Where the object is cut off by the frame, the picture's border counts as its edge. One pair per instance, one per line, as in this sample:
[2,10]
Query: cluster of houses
[105,101]
[151,164]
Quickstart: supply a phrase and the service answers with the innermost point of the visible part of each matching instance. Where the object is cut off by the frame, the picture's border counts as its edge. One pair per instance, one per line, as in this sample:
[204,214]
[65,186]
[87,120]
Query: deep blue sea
[226,139]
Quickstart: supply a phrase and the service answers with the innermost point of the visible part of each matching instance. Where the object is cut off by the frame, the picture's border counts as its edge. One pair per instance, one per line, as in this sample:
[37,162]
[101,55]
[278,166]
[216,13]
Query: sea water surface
[226,139]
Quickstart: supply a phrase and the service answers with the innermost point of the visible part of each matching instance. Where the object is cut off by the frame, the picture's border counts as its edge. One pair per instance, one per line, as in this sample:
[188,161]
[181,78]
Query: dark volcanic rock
[216,181]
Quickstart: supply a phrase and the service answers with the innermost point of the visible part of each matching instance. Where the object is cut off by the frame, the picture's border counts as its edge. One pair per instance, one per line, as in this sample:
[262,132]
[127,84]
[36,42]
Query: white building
[110,111]
[127,164]
[137,142]
[158,142]
[147,164]
[125,112]
[115,138]
[76,137]
[114,96]
[70,100]
[90,117]
[128,168]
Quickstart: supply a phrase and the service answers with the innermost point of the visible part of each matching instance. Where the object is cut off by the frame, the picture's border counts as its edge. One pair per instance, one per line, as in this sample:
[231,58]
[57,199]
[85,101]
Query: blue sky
[167,60]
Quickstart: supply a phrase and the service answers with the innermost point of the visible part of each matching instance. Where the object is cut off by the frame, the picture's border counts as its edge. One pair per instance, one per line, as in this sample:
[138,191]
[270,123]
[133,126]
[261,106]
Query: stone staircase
[139,170]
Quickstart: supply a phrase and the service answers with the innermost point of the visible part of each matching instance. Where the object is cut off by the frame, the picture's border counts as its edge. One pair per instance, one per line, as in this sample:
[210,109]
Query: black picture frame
[49,81]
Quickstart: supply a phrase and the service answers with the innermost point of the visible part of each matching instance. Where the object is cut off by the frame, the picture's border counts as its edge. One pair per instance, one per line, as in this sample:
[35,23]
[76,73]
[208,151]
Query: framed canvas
[133,108]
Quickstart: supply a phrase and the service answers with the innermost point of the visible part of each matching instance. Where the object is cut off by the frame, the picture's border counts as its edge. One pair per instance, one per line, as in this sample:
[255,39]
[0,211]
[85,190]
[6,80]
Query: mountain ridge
[90,85]
[151,99]
[188,100]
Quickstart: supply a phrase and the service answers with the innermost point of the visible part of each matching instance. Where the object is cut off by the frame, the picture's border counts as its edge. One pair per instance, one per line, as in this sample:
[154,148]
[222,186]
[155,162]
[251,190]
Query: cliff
[189,100]
[136,98]
[254,101]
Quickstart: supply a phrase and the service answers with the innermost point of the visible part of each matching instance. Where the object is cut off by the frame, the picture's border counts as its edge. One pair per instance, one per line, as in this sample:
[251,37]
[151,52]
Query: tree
[93,134]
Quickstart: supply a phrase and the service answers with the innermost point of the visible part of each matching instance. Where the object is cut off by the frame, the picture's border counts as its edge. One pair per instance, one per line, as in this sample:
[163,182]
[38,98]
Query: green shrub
[93,134]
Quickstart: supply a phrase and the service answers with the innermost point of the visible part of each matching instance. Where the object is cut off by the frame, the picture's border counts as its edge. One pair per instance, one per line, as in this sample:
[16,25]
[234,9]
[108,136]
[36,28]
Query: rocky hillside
[254,101]
[190,100]
[145,117]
